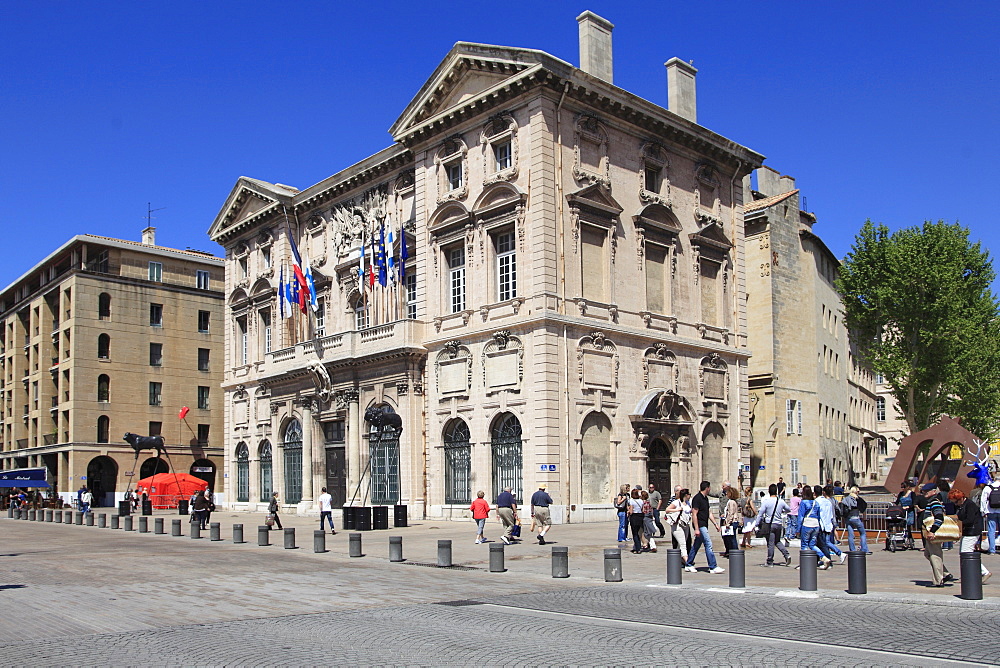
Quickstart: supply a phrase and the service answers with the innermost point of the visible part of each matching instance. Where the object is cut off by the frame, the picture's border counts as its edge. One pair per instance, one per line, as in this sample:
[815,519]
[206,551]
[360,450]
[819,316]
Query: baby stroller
[897,532]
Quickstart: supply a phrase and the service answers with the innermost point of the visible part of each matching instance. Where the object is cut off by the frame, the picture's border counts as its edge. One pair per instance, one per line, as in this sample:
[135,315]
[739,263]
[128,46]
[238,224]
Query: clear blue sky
[882,110]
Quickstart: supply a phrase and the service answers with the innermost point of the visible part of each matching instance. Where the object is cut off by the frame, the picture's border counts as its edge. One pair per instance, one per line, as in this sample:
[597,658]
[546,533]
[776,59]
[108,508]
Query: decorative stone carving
[352,395]
[402,388]
[591,138]
[418,388]
[660,368]
[484,311]
[707,188]
[453,369]
[451,152]
[713,379]
[597,361]
[503,362]
[500,129]
[574,219]
[654,156]
[352,222]
[438,321]
[452,348]
[321,379]
[501,338]
[581,304]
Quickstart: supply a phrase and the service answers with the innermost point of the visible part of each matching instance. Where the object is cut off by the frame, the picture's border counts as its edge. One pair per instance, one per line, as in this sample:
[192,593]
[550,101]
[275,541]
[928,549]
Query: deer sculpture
[980,468]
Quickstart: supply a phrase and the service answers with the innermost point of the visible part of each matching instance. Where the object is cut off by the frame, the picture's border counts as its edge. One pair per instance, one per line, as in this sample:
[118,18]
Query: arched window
[103,346]
[104,388]
[506,450]
[457,463]
[104,306]
[103,428]
[292,446]
[242,473]
[266,477]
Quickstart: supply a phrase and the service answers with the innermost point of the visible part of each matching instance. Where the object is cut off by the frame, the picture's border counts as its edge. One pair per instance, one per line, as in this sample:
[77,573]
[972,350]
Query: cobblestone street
[89,596]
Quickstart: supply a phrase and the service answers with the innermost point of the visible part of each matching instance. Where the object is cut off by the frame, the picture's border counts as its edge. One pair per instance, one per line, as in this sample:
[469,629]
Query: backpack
[995,497]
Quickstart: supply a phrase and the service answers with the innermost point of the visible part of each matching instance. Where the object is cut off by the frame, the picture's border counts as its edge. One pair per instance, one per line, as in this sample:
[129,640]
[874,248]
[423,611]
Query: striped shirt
[935,507]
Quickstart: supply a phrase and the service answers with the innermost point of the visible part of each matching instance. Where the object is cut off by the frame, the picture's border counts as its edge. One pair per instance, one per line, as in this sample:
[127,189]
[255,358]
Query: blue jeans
[809,536]
[84,507]
[702,538]
[793,526]
[622,524]
[855,524]
[481,526]
[992,527]
[328,516]
[827,544]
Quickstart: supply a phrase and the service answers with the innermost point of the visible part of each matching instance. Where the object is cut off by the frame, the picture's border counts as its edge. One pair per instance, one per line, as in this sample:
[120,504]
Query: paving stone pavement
[89,596]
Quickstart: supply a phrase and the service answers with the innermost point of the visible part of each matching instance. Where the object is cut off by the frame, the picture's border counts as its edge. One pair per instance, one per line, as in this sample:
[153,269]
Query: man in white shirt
[326,510]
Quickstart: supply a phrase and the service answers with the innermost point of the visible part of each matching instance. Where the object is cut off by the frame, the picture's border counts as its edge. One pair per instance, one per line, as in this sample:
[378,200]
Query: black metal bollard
[158,526]
[127,523]
[808,562]
[444,554]
[289,538]
[319,541]
[354,542]
[67,516]
[195,530]
[972,576]
[496,558]
[215,531]
[77,518]
[263,536]
[613,565]
[737,569]
[102,521]
[48,515]
[88,519]
[395,549]
[857,573]
[32,514]
[116,521]
[560,562]
[58,516]
[143,524]
[675,567]
[175,528]
[238,534]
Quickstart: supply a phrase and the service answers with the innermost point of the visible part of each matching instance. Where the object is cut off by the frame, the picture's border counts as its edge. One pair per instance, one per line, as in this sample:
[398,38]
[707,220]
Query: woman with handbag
[679,516]
[749,513]
[809,526]
[731,517]
[621,505]
[635,521]
[272,512]
[971,518]
[648,524]
[933,524]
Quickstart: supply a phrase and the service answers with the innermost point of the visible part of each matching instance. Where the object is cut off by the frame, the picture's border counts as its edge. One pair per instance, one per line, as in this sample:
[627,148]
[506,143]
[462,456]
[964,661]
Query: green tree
[919,306]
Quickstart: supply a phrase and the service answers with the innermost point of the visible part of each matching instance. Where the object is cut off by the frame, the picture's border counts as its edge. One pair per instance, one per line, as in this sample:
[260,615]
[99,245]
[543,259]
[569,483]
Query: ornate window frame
[707,182]
[453,353]
[659,354]
[596,348]
[498,130]
[503,344]
[713,364]
[453,151]
[654,156]
[590,129]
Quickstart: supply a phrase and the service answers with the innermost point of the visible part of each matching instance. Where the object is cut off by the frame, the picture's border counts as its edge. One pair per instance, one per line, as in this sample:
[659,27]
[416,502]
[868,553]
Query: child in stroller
[897,529]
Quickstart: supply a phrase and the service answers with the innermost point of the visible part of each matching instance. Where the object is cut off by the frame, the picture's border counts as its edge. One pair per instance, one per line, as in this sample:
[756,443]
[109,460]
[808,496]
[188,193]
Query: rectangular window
[456,278]
[880,409]
[203,397]
[593,263]
[204,318]
[156,315]
[789,416]
[506,267]
[242,340]
[156,271]
[155,394]
[651,179]
[155,428]
[265,319]
[203,359]
[155,354]
[454,173]
[320,317]
[360,315]
[266,254]
[656,261]
[879,379]
[203,434]
[201,279]
[411,296]
[793,467]
[502,156]
[333,432]
[798,418]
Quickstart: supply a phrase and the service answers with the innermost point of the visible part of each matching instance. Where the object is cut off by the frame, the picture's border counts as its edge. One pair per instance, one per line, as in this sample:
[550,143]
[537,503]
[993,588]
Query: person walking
[621,506]
[701,515]
[854,511]
[989,506]
[932,548]
[827,540]
[507,514]
[792,531]
[809,523]
[272,511]
[748,511]
[656,501]
[972,525]
[201,505]
[326,511]
[679,518]
[636,520]
[85,500]
[906,499]
[730,520]
[771,514]
[648,527]
[540,502]
[480,512]
[781,487]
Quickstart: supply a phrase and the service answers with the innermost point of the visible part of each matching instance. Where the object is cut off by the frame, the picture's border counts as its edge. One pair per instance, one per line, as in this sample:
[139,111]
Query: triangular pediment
[468,72]
[596,198]
[248,200]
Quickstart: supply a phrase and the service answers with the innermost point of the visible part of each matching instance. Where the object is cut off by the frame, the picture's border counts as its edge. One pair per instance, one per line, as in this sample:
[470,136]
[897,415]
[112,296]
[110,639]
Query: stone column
[353,441]
[307,450]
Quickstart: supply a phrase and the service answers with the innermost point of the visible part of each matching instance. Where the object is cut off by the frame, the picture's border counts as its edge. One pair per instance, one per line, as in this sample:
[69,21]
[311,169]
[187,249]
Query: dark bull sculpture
[375,417]
[140,443]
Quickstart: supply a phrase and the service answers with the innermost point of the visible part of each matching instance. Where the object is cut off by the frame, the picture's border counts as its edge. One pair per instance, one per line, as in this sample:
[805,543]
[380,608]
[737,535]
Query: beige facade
[573,310]
[812,405]
[100,338]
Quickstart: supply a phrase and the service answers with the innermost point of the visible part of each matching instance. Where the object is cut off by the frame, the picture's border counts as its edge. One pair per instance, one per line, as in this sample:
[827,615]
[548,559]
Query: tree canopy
[921,311]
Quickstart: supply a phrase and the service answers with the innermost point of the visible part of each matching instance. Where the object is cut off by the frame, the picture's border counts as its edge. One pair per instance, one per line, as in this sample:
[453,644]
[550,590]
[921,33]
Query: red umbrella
[165,489]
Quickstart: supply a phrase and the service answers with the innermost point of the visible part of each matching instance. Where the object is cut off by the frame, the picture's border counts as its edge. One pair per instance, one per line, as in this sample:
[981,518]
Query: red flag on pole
[183,413]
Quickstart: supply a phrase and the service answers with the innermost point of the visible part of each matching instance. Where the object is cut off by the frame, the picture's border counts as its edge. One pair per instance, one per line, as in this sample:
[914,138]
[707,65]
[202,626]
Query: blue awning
[24,483]
[34,477]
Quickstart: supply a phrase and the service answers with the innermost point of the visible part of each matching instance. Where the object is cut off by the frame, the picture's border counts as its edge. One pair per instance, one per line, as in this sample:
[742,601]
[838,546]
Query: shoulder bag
[949,529]
[764,528]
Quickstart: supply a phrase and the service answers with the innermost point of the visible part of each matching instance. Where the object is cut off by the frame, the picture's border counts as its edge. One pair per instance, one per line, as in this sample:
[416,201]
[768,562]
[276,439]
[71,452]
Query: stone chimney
[786,184]
[767,181]
[595,46]
[681,90]
[149,236]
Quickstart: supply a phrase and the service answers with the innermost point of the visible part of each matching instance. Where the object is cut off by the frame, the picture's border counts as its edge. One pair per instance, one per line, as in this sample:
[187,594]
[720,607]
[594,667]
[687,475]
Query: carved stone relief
[590,145]
[597,362]
[453,151]
[500,129]
[453,369]
[503,362]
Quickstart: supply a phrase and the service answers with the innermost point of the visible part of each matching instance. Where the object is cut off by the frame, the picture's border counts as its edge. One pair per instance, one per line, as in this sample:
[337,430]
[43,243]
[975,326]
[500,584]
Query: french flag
[300,277]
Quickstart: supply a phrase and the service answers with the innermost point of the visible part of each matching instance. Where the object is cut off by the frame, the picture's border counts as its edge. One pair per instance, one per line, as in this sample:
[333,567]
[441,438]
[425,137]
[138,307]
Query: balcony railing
[347,345]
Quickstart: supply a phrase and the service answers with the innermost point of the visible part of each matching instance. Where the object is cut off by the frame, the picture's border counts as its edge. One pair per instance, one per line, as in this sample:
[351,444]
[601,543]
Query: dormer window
[452,165]
[499,142]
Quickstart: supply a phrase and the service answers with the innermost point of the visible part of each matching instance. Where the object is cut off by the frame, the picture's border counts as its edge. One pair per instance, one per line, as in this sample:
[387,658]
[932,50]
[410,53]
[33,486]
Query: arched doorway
[152,466]
[204,469]
[658,467]
[102,478]
[595,459]
[291,446]
[712,466]
[457,462]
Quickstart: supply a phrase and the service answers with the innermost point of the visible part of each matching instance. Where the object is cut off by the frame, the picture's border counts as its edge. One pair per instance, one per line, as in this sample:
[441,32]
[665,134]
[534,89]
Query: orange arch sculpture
[925,456]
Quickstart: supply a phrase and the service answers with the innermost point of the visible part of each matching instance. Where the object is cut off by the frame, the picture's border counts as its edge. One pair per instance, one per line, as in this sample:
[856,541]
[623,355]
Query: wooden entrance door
[336,475]
[658,467]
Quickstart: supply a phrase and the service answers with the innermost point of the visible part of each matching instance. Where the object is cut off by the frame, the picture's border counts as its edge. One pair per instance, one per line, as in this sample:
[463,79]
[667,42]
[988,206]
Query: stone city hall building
[572,312]
[106,336]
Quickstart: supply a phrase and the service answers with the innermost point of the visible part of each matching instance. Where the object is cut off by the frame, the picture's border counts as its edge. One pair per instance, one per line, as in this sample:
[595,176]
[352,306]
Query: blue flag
[382,277]
[403,255]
